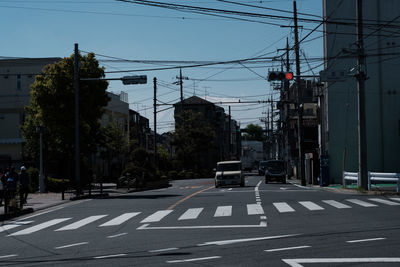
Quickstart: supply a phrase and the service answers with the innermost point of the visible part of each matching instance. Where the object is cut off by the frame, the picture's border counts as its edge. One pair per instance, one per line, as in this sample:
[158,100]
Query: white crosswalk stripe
[39,227]
[361,203]
[13,225]
[310,205]
[157,216]
[384,201]
[191,214]
[120,219]
[283,207]
[336,204]
[83,222]
[223,211]
[254,209]
[395,198]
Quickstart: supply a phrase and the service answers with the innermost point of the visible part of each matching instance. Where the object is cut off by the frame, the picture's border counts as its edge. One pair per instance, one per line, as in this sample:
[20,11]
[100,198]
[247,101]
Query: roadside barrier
[374,177]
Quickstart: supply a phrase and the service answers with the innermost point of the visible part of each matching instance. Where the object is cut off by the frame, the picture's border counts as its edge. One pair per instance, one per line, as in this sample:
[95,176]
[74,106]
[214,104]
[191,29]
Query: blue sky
[49,28]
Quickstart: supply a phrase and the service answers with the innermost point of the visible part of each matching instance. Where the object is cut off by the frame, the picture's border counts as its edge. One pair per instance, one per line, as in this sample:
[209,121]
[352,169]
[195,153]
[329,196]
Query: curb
[9,216]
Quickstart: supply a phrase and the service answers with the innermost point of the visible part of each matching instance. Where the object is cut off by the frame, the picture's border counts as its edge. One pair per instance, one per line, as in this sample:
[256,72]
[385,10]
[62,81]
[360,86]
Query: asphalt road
[192,223]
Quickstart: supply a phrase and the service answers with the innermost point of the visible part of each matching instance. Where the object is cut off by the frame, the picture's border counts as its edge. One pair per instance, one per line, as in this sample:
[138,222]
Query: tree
[52,107]
[254,133]
[193,140]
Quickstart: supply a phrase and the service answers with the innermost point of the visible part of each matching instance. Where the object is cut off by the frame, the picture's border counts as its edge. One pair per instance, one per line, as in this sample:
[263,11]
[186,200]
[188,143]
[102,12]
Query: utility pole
[361,77]
[77,149]
[181,84]
[299,99]
[230,134]
[155,120]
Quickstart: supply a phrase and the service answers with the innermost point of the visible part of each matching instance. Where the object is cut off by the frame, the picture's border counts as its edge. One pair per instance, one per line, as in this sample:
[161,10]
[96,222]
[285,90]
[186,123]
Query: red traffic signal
[280,76]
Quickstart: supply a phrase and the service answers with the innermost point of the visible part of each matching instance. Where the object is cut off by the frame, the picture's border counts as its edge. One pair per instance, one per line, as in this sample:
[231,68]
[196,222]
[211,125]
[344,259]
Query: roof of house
[194,100]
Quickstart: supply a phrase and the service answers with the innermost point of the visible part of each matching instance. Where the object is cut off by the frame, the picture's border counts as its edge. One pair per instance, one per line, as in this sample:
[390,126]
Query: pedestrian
[2,186]
[23,185]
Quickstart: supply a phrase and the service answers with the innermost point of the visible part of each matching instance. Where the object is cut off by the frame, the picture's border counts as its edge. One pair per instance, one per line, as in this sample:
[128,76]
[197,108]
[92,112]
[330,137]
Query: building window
[19,82]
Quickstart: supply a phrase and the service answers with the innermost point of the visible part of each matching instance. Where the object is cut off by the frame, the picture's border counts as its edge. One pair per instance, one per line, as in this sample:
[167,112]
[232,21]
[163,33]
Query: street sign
[135,79]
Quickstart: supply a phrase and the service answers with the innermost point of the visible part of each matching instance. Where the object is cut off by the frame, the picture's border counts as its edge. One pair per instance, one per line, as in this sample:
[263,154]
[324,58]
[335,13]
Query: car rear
[275,171]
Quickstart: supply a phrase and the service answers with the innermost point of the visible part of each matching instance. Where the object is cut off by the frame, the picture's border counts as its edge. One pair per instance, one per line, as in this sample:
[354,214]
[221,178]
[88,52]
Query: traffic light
[135,79]
[280,76]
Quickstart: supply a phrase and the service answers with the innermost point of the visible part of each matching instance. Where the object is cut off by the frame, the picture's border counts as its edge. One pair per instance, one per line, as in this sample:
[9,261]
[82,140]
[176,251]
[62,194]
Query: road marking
[336,204]
[297,262]
[39,227]
[234,241]
[109,256]
[361,203]
[192,195]
[263,217]
[384,201]
[147,227]
[311,205]
[162,250]
[120,219]
[117,235]
[283,188]
[72,245]
[197,259]
[366,240]
[83,222]
[191,214]
[157,216]
[12,225]
[395,198]
[283,207]
[8,256]
[230,189]
[289,248]
[223,211]
[254,209]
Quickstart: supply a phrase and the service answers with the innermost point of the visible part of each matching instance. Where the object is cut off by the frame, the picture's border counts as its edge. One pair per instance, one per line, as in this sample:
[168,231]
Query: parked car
[275,170]
[262,167]
[229,173]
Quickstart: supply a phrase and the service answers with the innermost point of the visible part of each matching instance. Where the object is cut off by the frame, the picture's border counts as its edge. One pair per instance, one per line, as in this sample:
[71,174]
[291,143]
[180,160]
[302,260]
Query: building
[227,138]
[16,77]
[338,101]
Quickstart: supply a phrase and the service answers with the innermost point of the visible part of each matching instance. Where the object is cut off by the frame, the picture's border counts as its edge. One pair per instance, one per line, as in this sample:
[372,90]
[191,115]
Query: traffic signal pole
[301,171]
[77,148]
[361,77]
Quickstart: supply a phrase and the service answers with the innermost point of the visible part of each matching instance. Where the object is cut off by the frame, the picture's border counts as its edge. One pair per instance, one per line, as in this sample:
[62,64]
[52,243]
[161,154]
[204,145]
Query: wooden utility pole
[77,148]
[230,133]
[361,77]
[155,120]
[300,172]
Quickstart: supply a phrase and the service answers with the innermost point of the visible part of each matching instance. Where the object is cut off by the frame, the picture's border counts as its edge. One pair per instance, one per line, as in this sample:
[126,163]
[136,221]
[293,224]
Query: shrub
[34,176]
[172,174]
[56,185]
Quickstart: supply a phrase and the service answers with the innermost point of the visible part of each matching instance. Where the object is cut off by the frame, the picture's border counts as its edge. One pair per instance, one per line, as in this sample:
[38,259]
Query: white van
[229,173]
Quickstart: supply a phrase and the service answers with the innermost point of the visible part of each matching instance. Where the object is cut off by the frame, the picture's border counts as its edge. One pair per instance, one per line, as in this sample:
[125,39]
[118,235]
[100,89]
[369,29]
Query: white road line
[263,217]
[72,245]
[283,207]
[289,248]
[223,211]
[12,225]
[8,256]
[147,227]
[197,259]
[157,216]
[83,222]
[117,235]
[384,201]
[254,209]
[395,198]
[162,250]
[361,203]
[311,205]
[120,219]
[234,241]
[336,204]
[366,240]
[109,256]
[39,227]
[191,214]
[298,262]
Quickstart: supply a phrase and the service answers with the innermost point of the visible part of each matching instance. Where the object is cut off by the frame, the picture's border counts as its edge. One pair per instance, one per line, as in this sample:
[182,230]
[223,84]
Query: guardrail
[374,177]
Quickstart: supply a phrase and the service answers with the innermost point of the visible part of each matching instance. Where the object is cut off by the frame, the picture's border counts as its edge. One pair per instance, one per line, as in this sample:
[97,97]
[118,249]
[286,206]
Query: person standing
[23,186]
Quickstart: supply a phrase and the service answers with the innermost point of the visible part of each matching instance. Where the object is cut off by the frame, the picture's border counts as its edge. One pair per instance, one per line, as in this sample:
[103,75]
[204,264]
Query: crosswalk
[192,214]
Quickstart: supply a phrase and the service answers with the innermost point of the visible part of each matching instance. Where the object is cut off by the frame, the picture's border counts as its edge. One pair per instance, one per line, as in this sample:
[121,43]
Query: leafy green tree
[52,107]
[254,133]
[193,140]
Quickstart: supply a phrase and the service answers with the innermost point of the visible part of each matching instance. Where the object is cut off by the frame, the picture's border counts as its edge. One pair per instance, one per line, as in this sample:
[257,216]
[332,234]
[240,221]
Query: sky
[156,38]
